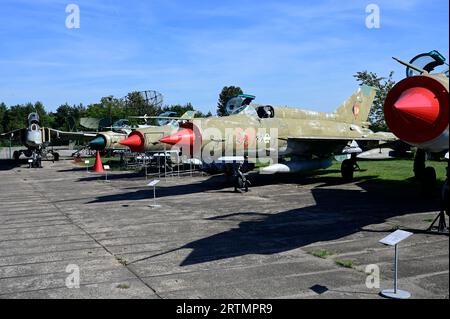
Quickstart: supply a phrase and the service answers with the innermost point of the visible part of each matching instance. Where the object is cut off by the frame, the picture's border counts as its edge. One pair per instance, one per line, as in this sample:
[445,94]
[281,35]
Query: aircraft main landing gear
[348,167]
[16,156]
[241,183]
[55,156]
[426,175]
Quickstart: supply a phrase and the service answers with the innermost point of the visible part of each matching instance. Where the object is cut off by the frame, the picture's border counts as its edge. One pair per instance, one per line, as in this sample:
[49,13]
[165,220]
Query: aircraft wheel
[16,155]
[241,185]
[56,157]
[445,197]
[347,170]
[429,179]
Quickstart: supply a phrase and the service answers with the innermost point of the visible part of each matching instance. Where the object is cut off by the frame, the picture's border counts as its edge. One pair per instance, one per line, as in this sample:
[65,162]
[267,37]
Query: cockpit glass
[249,110]
[428,62]
[33,117]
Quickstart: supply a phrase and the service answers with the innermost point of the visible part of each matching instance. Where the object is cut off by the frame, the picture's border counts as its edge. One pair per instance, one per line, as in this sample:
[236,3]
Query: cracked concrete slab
[205,241]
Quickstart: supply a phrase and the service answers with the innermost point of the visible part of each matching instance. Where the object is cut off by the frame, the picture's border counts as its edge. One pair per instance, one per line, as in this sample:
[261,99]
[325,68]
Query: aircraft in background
[301,140]
[37,139]
[121,129]
[148,139]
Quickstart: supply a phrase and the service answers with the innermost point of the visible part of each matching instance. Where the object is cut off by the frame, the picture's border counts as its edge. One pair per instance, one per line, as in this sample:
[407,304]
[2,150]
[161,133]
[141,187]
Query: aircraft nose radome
[184,137]
[134,142]
[418,103]
[97,143]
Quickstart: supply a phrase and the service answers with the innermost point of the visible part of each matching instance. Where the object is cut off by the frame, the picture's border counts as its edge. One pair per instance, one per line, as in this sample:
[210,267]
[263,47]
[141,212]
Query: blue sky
[296,53]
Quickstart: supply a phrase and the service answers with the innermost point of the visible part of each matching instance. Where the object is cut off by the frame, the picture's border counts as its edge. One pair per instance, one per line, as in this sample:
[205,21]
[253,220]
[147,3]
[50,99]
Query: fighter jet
[417,112]
[293,139]
[144,140]
[36,139]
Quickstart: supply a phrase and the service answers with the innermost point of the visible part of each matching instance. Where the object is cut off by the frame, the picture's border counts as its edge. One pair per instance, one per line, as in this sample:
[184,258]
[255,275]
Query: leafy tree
[3,111]
[383,86]
[178,108]
[136,105]
[16,117]
[47,120]
[67,117]
[227,93]
[200,114]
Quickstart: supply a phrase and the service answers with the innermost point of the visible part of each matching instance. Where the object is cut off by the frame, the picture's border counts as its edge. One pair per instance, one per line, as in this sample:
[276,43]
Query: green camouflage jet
[283,139]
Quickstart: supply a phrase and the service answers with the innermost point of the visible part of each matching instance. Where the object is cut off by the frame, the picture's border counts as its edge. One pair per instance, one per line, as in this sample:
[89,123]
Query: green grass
[394,170]
[104,160]
[113,162]
[344,263]
[122,261]
[321,253]
[123,286]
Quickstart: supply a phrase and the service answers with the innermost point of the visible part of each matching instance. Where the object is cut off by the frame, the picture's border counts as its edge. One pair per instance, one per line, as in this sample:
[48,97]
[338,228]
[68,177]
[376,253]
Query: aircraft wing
[11,133]
[321,146]
[372,137]
[72,135]
[189,115]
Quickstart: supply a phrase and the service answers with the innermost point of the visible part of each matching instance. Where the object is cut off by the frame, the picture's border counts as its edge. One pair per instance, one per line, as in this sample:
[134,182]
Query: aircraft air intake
[98,143]
[184,137]
[135,142]
[417,110]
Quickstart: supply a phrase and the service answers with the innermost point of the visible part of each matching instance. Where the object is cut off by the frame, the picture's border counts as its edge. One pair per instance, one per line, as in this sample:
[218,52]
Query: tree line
[67,117]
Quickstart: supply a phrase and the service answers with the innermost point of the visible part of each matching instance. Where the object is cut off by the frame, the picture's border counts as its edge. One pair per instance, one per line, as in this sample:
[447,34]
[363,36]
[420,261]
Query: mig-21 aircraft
[289,140]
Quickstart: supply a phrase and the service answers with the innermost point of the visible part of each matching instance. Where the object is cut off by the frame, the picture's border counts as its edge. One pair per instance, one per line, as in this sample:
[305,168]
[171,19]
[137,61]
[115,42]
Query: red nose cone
[135,142]
[418,104]
[183,137]
[416,109]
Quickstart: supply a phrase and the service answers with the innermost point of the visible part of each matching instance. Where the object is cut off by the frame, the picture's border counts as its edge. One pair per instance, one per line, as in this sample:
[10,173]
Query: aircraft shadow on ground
[6,165]
[338,213]
[100,176]
[219,183]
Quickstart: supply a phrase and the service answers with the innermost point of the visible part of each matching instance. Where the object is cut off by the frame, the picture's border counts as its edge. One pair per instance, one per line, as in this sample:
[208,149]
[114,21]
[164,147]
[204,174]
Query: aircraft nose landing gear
[425,175]
[348,167]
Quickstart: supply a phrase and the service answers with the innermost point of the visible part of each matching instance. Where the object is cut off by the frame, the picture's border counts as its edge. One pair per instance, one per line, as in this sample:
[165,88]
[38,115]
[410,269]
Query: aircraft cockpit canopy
[238,103]
[33,118]
[428,62]
[163,122]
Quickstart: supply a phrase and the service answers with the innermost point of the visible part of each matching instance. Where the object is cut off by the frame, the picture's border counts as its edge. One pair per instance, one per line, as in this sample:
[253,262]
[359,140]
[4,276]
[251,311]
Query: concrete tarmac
[289,237]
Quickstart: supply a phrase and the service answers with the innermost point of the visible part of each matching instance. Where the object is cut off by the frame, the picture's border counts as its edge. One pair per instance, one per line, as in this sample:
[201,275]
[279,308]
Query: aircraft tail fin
[356,108]
[188,115]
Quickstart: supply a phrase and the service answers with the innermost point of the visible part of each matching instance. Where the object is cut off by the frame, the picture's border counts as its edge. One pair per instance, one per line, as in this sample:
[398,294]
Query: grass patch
[113,162]
[395,227]
[391,170]
[122,261]
[429,220]
[123,286]
[321,253]
[344,263]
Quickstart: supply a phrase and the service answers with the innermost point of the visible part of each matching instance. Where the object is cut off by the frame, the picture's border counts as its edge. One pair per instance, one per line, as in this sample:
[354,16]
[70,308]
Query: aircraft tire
[16,155]
[347,170]
[429,179]
[56,157]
